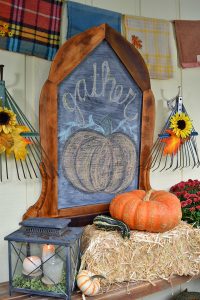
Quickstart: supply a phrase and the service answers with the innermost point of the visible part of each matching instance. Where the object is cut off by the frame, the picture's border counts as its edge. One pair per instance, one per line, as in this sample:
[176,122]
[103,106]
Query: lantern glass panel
[38,267]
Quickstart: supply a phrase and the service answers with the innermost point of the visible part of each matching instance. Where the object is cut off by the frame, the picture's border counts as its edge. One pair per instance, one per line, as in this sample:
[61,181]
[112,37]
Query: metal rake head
[183,152]
[28,168]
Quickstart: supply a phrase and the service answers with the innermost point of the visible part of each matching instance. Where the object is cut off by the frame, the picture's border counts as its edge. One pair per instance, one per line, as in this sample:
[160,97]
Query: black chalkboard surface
[99,121]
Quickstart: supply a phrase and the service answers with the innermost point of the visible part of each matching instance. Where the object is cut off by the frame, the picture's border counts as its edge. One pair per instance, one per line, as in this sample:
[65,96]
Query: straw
[144,257]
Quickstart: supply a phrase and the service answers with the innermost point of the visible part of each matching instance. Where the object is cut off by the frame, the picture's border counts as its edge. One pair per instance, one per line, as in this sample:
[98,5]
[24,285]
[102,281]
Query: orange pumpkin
[154,211]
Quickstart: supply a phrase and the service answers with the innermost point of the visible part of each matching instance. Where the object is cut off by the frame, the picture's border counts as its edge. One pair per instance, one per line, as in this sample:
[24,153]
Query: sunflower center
[181,124]
[4,118]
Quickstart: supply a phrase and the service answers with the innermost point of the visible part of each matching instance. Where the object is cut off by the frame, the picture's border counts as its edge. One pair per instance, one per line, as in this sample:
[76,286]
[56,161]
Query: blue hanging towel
[82,17]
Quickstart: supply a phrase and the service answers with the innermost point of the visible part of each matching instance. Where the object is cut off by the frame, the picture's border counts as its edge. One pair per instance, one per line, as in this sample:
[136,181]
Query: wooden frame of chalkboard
[68,58]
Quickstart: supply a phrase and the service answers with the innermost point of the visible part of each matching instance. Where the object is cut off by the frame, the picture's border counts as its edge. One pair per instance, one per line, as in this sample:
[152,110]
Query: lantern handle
[180,100]
[171,103]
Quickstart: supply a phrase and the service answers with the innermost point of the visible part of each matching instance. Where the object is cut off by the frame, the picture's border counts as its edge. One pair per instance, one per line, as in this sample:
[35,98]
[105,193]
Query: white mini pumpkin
[88,284]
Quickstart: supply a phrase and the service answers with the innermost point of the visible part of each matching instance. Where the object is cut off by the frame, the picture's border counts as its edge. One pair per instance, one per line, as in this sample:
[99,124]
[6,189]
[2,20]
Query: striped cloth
[31,27]
[151,37]
[82,17]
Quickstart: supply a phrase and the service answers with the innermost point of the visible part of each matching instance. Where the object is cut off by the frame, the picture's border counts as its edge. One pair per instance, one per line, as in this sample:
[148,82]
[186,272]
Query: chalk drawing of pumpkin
[94,162]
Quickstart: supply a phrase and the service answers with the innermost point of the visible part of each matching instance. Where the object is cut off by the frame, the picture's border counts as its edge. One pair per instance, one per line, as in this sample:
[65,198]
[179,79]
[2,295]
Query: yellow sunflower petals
[181,125]
[21,128]
[6,142]
[5,129]
[19,146]
[10,138]
[7,120]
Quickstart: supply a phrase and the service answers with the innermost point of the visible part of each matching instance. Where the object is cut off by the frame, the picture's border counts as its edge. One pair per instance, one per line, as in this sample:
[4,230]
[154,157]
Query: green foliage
[192,217]
[36,284]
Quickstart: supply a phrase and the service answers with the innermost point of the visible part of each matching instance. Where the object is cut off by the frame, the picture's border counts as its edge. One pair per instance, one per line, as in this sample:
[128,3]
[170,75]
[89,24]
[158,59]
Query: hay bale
[144,257]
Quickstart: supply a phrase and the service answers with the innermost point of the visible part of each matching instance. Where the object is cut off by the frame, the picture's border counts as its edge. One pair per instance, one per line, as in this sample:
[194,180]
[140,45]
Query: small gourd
[109,224]
[88,282]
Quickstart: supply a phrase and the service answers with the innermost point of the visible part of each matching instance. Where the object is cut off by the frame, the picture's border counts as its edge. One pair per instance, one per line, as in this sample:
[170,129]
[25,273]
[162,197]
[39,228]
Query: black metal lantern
[43,257]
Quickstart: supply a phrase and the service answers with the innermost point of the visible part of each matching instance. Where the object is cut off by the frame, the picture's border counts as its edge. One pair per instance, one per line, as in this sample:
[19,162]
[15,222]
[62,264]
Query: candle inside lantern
[47,252]
[31,266]
[52,271]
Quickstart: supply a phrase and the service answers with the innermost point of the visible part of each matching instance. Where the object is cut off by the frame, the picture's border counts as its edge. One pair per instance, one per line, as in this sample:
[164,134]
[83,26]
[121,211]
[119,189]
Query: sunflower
[10,33]
[2,33]
[7,120]
[5,26]
[181,125]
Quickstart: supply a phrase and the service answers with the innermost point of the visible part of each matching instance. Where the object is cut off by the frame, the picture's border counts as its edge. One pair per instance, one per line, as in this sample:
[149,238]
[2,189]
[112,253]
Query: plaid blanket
[30,27]
[151,37]
[82,17]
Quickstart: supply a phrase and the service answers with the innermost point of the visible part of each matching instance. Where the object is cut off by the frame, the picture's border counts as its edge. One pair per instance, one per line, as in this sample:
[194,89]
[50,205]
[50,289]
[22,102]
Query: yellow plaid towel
[151,37]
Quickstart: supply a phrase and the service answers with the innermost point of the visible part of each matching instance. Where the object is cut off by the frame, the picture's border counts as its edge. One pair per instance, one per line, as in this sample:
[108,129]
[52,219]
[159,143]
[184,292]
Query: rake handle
[1,71]
[165,135]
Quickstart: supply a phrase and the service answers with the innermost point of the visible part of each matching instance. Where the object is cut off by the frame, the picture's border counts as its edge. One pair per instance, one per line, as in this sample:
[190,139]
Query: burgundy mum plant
[189,194]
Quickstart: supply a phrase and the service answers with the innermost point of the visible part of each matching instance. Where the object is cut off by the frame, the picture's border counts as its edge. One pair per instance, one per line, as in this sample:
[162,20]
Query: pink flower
[181,185]
[196,199]
[192,195]
[189,201]
[178,194]
[183,203]
[187,195]
[192,208]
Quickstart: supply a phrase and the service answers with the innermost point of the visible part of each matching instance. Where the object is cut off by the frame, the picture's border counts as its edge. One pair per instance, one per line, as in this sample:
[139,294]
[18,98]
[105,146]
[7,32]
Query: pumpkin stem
[106,124]
[97,276]
[148,195]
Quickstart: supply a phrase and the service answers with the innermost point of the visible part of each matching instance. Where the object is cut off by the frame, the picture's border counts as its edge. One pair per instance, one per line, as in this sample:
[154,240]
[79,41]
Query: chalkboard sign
[99,112]
[96,125]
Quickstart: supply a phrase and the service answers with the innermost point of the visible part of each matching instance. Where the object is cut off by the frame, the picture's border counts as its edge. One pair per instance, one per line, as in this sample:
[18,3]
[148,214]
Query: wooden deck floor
[125,292]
